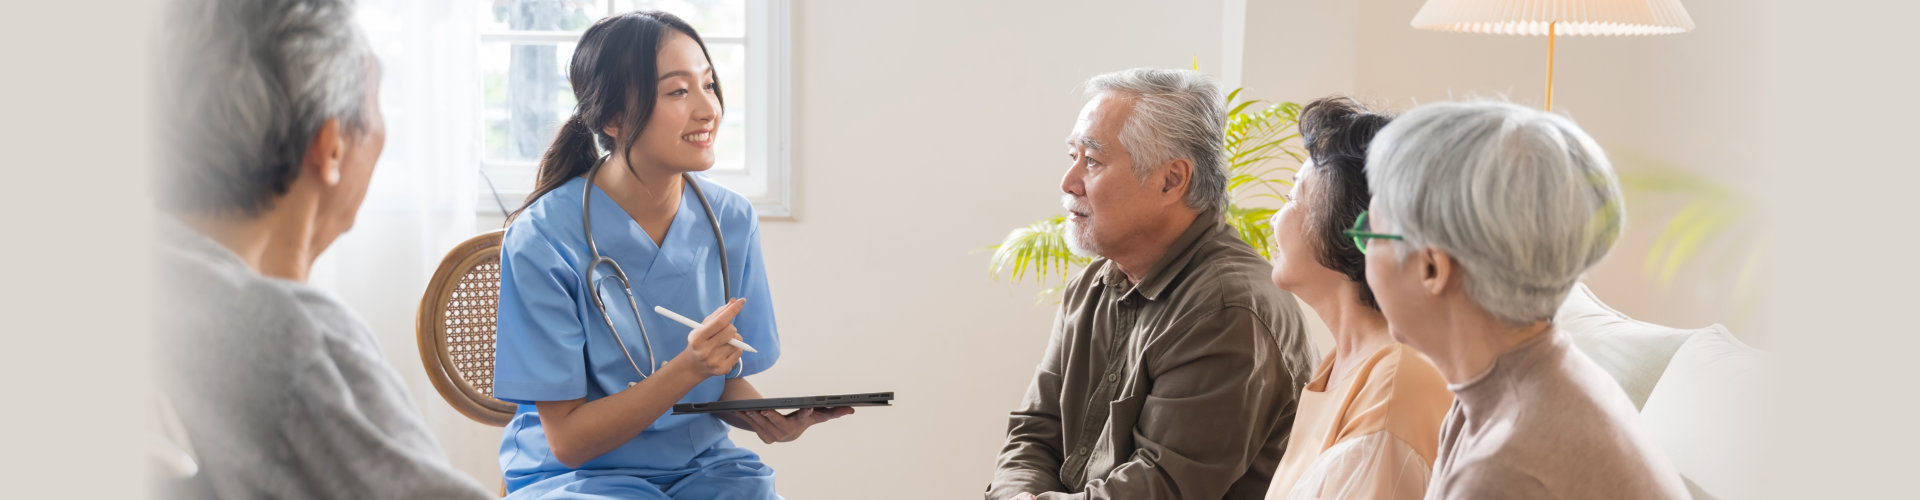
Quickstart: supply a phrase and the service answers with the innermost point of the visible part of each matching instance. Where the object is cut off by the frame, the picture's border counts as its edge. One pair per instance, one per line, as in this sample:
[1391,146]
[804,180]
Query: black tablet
[867,399]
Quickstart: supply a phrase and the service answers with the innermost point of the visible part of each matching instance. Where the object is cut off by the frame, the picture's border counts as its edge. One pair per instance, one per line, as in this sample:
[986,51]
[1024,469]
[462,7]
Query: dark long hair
[614,73]
[1337,131]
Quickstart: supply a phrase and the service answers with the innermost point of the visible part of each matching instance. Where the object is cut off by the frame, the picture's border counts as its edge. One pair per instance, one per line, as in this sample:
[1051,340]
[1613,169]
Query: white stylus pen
[695,324]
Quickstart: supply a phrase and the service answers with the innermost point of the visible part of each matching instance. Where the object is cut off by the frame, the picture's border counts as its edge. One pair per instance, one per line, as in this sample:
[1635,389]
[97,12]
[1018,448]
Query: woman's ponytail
[570,156]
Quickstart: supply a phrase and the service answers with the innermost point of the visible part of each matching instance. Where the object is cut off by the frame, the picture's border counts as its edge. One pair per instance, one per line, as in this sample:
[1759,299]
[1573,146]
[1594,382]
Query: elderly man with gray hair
[272,127]
[1175,364]
[1484,215]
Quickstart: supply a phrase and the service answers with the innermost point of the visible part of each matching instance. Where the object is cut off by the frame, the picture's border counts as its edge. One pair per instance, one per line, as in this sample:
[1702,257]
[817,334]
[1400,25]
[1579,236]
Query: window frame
[767,164]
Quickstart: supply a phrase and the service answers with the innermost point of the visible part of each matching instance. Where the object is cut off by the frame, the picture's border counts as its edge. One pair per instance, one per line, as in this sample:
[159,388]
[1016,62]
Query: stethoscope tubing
[595,260]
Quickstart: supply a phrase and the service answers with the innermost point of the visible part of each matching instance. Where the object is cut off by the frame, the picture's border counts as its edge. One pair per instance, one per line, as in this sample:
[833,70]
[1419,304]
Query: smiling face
[678,136]
[1294,261]
[1108,204]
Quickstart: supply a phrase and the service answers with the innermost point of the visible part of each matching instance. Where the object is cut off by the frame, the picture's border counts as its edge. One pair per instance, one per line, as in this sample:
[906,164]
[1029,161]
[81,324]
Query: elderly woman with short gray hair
[1484,215]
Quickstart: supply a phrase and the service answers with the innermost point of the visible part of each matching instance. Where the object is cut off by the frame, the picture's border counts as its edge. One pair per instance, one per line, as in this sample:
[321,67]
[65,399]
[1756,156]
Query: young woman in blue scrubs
[594,421]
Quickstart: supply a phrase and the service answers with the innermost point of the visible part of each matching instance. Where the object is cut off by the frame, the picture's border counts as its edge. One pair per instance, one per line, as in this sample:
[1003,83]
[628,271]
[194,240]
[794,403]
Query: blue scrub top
[554,346]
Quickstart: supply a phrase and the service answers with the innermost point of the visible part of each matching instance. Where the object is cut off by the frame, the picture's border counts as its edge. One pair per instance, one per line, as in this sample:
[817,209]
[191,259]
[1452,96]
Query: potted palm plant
[1263,152]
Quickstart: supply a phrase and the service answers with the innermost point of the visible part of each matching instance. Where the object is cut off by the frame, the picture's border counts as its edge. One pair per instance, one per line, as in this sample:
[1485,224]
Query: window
[525,47]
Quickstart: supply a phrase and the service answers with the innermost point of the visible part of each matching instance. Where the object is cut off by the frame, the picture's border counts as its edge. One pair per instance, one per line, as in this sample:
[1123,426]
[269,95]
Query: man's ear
[1177,175]
[325,153]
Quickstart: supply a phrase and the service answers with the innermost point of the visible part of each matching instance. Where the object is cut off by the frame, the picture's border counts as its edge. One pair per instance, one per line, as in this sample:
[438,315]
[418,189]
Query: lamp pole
[1551,32]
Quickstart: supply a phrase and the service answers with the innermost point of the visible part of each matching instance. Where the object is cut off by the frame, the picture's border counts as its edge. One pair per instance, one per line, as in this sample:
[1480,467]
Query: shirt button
[1113,376]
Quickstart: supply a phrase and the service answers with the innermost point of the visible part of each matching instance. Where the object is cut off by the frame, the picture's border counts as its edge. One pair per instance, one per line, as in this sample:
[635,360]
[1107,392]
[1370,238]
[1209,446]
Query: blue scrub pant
[744,479]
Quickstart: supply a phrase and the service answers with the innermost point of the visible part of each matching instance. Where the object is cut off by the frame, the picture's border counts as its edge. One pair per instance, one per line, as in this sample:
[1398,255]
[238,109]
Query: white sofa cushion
[1706,413]
[1634,352]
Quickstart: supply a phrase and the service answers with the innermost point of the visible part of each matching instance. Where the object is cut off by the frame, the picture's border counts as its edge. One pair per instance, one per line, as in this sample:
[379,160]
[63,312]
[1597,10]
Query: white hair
[248,85]
[1176,114]
[1524,199]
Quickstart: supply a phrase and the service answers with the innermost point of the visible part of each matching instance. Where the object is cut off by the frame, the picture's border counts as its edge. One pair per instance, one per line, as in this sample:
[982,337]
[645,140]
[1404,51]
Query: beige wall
[1846,174]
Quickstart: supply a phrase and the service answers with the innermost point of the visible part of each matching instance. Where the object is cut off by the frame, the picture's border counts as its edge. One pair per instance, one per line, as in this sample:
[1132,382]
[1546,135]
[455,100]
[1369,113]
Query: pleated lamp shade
[1571,17]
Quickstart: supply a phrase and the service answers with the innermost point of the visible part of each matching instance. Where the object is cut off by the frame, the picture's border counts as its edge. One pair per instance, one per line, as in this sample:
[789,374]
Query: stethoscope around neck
[595,261]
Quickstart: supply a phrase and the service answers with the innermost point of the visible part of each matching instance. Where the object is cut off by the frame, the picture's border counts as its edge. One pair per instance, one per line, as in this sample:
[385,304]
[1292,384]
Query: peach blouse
[1372,436]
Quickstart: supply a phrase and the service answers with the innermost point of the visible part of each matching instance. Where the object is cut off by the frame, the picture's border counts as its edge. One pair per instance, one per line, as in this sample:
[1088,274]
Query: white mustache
[1072,204]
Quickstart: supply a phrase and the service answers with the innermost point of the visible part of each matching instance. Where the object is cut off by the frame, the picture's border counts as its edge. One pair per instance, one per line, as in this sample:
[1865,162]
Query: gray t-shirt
[1546,422]
[282,391]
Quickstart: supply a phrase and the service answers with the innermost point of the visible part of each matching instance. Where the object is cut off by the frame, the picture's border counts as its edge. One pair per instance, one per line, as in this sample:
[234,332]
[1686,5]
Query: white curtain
[422,198]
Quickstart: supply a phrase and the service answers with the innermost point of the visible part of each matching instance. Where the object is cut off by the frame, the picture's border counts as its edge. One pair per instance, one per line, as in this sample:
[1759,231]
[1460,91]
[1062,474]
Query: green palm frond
[1256,136]
[1039,249]
[1253,227]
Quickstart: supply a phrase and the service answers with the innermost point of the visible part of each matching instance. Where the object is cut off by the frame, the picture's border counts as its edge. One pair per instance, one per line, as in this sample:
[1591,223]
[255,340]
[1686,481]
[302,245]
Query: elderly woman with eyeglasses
[1369,420]
[1484,215]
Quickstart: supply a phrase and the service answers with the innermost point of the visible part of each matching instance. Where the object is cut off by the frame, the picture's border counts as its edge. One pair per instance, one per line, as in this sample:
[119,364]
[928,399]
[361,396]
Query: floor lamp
[1553,18]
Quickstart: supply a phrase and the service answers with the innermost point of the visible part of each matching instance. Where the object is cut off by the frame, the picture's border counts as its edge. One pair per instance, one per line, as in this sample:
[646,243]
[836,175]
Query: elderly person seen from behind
[1484,215]
[1174,364]
[273,127]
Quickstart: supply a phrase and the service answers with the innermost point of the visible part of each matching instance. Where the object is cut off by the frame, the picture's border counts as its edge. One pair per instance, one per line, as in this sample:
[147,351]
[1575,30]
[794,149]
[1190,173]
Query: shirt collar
[1486,388]
[1178,254]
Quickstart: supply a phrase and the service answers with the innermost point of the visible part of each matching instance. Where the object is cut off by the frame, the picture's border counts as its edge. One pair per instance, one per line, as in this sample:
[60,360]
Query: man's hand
[776,428]
[1022,496]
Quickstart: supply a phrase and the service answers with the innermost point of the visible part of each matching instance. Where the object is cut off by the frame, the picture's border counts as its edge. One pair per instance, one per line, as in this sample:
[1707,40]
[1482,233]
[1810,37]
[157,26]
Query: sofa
[1700,391]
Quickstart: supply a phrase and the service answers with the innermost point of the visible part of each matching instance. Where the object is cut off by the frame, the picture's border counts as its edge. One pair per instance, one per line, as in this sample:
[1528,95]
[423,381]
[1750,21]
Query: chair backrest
[455,329]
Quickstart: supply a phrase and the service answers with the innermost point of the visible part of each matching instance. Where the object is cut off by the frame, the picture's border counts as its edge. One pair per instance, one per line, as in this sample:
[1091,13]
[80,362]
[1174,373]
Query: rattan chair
[455,329]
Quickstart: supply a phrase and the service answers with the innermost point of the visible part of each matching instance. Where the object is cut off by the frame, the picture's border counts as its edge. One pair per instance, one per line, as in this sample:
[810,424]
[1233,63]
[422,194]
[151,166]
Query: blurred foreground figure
[272,127]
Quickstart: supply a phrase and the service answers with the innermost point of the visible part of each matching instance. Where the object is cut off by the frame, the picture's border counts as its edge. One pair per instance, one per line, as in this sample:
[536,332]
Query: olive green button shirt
[1182,386]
